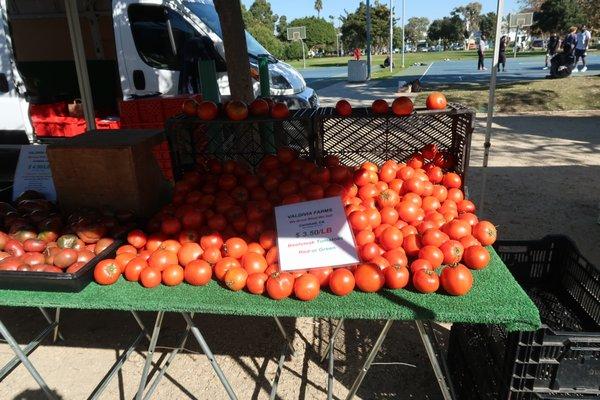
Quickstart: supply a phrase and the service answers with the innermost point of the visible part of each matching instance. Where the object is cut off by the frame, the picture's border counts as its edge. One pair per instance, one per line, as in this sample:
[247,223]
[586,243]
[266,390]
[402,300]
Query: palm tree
[318,7]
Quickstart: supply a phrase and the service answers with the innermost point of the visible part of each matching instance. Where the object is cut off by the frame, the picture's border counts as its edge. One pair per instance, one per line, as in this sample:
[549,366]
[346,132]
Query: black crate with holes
[560,360]
[318,132]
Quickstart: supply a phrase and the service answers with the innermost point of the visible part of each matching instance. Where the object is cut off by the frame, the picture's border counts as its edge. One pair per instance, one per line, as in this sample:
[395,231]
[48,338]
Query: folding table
[495,298]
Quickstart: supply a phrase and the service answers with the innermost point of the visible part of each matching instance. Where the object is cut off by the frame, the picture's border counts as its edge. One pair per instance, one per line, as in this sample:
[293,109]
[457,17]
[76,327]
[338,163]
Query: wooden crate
[113,169]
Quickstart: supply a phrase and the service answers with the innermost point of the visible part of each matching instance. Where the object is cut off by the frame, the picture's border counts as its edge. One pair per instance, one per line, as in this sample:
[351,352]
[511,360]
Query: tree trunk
[236,53]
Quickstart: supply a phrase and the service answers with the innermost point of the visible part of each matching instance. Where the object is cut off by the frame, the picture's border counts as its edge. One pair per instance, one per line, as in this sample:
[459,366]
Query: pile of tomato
[235,110]
[35,237]
[411,222]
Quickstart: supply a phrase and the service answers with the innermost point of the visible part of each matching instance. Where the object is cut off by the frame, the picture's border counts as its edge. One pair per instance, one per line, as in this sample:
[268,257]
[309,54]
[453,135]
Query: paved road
[449,72]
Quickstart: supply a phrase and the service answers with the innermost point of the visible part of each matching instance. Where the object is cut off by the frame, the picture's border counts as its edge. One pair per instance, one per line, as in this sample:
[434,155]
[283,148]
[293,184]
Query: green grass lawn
[574,93]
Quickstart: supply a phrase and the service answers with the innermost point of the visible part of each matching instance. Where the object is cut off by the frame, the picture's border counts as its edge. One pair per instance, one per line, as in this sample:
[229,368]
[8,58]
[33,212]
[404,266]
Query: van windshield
[208,14]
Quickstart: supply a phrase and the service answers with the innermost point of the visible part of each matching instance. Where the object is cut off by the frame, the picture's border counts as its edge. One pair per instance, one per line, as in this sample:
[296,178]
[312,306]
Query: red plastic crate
[59,109]
[107,124]
[150,110]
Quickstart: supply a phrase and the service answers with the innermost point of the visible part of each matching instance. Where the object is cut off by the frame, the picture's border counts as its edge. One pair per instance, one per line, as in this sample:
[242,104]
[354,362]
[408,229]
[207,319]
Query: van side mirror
[139,80]
[3,83]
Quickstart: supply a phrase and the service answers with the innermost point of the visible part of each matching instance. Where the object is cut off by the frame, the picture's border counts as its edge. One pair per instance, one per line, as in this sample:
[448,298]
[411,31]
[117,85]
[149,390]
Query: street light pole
[403,45]
[391,35]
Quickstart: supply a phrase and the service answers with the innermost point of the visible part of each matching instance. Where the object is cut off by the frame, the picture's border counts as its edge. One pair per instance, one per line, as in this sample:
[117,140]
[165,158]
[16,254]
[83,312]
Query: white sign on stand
[314,234]
[33,172]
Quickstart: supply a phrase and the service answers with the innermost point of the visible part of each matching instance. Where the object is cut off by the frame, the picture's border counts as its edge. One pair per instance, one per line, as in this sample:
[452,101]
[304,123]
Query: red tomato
[436,101]
[189,252]
[396,277]
[137,238]
[426,281]
[235,278]
[364,237]
[389,215]
[224,265]
[381,262]
[369,278]
[255,283]
[434,237]
[134,268]
[272,255]
[362,177]
[75,267]
[306,287]
[172,275]
[439,192]
[170,245]
[387,198]
[432,254]
[259,108]
[402,106]
[211,255]
[358,220]
[197,273]
[207,110]
[465,206]
[280,111]
[391,238]
[457,229]
[150,277]
[413,185]
[452,180]
[429,151]
[374,217]
[420,264]
[35,245]
[236,110]
[322,274]
[254,263]
[476,257]
[380,106]
[106,272]
[161,258]
[65,258]
[408,212]
[387,173]
[430,203]
[369,251]
[170,226]
[286,154]
[235,247]
[411,245]
[396,258]
[453,251]
[456,280]
[280,285]
[469,217]
[485,232]
[341,282]
[101,245]
[415,161]
[469,241]
[455,195]
[213,240]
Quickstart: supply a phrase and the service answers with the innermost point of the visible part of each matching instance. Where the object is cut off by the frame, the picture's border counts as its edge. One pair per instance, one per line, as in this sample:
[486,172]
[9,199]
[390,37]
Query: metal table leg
[426,333]
[275,384]
[336,330]
[50,321]
[153,340]
[19,353]
[369,360]
[290,344]
[27,350]
[200,339]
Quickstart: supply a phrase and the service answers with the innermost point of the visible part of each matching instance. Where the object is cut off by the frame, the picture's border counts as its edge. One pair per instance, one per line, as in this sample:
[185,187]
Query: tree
[591,12]
[558,16]
[531,5]
[487,24]
[470,14]
[236,50]
[293,51]
[318,7]
[320,34]
[354,24]
[446,30]
[262,14]
[416,29]
[268,40]
[282,26]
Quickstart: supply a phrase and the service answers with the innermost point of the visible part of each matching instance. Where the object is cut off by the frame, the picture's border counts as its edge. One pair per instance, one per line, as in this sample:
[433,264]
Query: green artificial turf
[495,298]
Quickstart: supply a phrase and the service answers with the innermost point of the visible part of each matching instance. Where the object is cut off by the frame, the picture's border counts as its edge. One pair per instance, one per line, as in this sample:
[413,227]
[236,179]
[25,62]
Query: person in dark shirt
[551,48]
[502,53]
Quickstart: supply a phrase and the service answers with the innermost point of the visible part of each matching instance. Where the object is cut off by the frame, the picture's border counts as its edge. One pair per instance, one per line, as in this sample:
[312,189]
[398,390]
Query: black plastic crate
[365,136]
[560,360]
[56,282]
[315,133]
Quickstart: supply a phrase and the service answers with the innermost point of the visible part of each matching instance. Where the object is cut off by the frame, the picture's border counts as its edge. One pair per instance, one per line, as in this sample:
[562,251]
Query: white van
[134,48]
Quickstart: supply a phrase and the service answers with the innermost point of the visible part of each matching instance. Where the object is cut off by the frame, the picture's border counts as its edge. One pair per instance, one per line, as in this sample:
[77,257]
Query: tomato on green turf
[426,281]
[456,280]
[396,277]
[150,277]
[369,278]
[306,287]
[476,257]
[197,273]
[341,282]
[107,272]
[172,275]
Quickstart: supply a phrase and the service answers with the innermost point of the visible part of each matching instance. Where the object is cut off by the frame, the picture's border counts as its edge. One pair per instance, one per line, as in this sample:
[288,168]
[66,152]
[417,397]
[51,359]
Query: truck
[134,49]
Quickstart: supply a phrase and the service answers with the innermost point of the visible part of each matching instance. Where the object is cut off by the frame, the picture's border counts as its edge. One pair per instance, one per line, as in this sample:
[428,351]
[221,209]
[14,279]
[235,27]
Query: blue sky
[431,9]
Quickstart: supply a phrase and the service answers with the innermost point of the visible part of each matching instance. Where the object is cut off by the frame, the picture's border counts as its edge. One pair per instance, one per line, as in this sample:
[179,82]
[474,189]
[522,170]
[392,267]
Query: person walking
[581,46]
[502,53]
[551,48]
[480,49]
[570,42]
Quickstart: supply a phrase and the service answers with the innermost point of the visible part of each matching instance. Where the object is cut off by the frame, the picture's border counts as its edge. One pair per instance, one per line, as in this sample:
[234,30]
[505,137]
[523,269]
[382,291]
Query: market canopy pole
[391,35]
[491,100]
[403,46]
[83,78]
[368,17]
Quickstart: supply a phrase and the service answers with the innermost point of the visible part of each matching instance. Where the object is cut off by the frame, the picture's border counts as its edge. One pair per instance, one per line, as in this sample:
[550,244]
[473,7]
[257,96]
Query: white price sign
[33,172]
[314,234]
